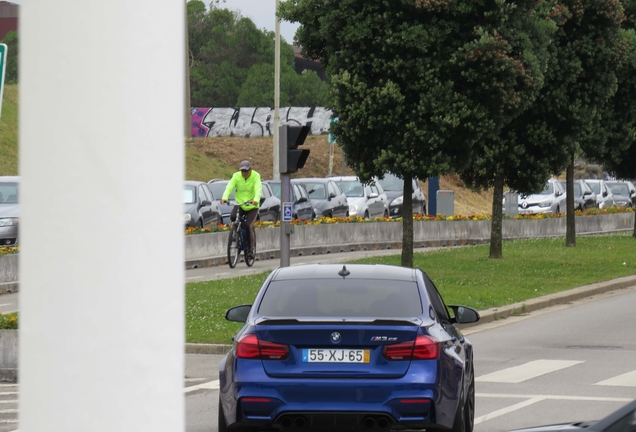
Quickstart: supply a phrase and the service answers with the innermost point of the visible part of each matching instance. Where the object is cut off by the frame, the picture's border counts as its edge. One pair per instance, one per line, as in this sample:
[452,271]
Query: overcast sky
[263,13]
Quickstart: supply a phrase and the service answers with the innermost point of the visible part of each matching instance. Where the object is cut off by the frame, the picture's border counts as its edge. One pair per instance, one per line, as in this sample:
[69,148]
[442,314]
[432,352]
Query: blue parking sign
[287,212]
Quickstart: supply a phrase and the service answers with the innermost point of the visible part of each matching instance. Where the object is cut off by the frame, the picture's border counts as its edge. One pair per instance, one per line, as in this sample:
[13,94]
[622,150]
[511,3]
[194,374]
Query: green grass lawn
[530,268]
[9,131]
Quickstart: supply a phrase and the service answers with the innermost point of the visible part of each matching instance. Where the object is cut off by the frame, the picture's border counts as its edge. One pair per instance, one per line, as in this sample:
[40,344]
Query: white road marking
[507,410]
[554,397]
[8,385]
[194,379]
[9,411]
[211,385]
[527,371]
[11,401]
[625,380]
[532,399]
[8,393]
[6,304]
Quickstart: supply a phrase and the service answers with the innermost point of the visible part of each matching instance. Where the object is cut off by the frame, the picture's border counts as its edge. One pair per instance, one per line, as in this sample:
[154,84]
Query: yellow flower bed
[8,250]
[418,217]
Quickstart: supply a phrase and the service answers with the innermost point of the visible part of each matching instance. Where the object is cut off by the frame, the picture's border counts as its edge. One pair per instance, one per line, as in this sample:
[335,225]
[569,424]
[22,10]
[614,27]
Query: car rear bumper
[408,402]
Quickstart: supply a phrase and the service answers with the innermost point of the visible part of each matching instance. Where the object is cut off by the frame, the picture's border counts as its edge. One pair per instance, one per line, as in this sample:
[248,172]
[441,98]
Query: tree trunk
[407,223]
[570,232]
[496,224]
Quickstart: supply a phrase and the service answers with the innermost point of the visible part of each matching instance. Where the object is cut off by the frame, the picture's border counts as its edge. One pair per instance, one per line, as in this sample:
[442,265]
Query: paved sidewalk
[493,314]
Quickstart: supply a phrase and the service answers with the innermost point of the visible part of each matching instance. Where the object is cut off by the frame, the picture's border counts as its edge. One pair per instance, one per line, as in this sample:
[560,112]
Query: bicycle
[238,241]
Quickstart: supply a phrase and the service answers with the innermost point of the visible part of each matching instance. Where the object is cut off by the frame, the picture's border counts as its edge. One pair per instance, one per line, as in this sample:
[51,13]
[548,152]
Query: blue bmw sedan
[351,348]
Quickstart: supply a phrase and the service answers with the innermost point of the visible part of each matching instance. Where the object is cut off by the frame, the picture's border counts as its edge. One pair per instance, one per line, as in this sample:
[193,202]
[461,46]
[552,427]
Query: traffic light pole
[285,227]
[290,160]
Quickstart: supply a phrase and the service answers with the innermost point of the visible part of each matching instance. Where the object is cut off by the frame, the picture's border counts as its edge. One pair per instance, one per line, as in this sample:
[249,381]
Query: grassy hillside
[9,132]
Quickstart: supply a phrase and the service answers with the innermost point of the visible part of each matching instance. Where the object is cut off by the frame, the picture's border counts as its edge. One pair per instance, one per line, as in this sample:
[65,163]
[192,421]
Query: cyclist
[249,188]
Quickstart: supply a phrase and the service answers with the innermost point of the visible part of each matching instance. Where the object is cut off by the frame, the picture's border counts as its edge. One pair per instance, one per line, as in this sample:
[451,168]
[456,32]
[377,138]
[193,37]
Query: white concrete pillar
[101,261]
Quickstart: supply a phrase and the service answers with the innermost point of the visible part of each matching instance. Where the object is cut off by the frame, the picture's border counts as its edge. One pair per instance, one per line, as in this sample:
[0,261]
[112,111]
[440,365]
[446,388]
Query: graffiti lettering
[255,122]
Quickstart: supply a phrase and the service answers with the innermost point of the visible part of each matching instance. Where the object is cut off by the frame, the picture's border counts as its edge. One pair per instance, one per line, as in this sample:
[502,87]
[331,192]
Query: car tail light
[423,348]
[249,347]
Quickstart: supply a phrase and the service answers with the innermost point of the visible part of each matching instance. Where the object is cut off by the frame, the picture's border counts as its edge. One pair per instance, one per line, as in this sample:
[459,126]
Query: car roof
[356,271]
[194,183]
[7,179]
[313,179]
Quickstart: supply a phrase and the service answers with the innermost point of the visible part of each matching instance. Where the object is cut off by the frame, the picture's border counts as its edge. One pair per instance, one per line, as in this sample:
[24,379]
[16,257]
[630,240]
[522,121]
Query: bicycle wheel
[233,250]
[250,260]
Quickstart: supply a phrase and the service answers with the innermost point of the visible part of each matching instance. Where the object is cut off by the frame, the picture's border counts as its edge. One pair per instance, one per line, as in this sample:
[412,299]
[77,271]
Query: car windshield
[218,188]
[189,196]
[619,188]
[392,183]
[351,188]
[316,190]
[275,189]
[8,193]
[548,189]
[596,187]
[341,298]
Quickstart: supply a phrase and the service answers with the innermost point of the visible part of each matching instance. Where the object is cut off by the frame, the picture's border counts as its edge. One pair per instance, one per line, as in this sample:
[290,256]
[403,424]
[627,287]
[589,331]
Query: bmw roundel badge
[335,337]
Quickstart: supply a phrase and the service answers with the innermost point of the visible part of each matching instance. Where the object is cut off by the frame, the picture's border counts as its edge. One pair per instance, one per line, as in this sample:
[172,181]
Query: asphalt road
[570,362]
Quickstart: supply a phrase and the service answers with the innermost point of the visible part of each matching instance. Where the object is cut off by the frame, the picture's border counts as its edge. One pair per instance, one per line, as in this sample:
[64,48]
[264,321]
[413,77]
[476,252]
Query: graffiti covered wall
[256,122]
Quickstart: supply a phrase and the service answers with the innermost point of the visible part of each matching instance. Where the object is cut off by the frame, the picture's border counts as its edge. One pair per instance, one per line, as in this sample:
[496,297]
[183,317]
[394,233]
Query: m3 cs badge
[383,339]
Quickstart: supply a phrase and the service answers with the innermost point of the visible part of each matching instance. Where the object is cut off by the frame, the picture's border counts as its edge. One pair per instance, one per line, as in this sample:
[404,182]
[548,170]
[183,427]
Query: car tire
[222,424]
[386,213]
[469,406]
[201,223]
[558,210]
[366,215]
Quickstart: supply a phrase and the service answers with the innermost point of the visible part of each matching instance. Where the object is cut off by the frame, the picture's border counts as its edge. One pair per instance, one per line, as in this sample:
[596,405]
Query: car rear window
[341,298]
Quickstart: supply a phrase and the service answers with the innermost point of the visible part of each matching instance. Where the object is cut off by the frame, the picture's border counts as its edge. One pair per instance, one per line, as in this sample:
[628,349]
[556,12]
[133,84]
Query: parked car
[621,420]
[361,347]
[604,197]
[9,210]
[302,208]
[394,188]
[269,210]
[623,192]
[326,197]
[201,210]
[584,196]
[550,200]
[365,200]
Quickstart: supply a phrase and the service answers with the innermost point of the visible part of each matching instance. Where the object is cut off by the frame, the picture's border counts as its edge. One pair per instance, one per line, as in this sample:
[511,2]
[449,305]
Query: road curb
[489,315]
[493,314]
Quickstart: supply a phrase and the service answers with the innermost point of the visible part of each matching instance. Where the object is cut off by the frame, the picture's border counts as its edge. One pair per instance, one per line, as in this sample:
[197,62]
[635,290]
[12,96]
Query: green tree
[618,123]
[589,51]
[418,83]
[12,41]
[232,63]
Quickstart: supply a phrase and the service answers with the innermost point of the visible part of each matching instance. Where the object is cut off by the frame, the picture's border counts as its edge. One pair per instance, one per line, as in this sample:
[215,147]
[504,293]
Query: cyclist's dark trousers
[251,218]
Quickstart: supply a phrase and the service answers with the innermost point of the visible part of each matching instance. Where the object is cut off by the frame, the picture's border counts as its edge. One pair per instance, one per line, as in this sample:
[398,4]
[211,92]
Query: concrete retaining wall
[211,249]
[8,355]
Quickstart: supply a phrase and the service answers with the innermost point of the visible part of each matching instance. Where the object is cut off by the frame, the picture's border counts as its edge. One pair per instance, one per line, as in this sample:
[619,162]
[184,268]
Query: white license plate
[320,355]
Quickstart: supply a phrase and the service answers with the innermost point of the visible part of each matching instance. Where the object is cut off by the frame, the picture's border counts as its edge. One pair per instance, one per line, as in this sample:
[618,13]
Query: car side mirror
[262,200]
[301,200]
[373,195]
[557,193]
[332,195]
[586,193]
[604,194]
[464,314]
[238,313]
[205,203]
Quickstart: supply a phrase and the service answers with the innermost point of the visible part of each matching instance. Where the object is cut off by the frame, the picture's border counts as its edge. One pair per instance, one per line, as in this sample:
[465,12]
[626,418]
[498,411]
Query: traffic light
[290,157]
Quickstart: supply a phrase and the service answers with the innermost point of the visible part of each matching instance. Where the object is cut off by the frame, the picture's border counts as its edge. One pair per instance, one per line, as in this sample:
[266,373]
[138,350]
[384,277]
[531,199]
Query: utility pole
[276,154]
